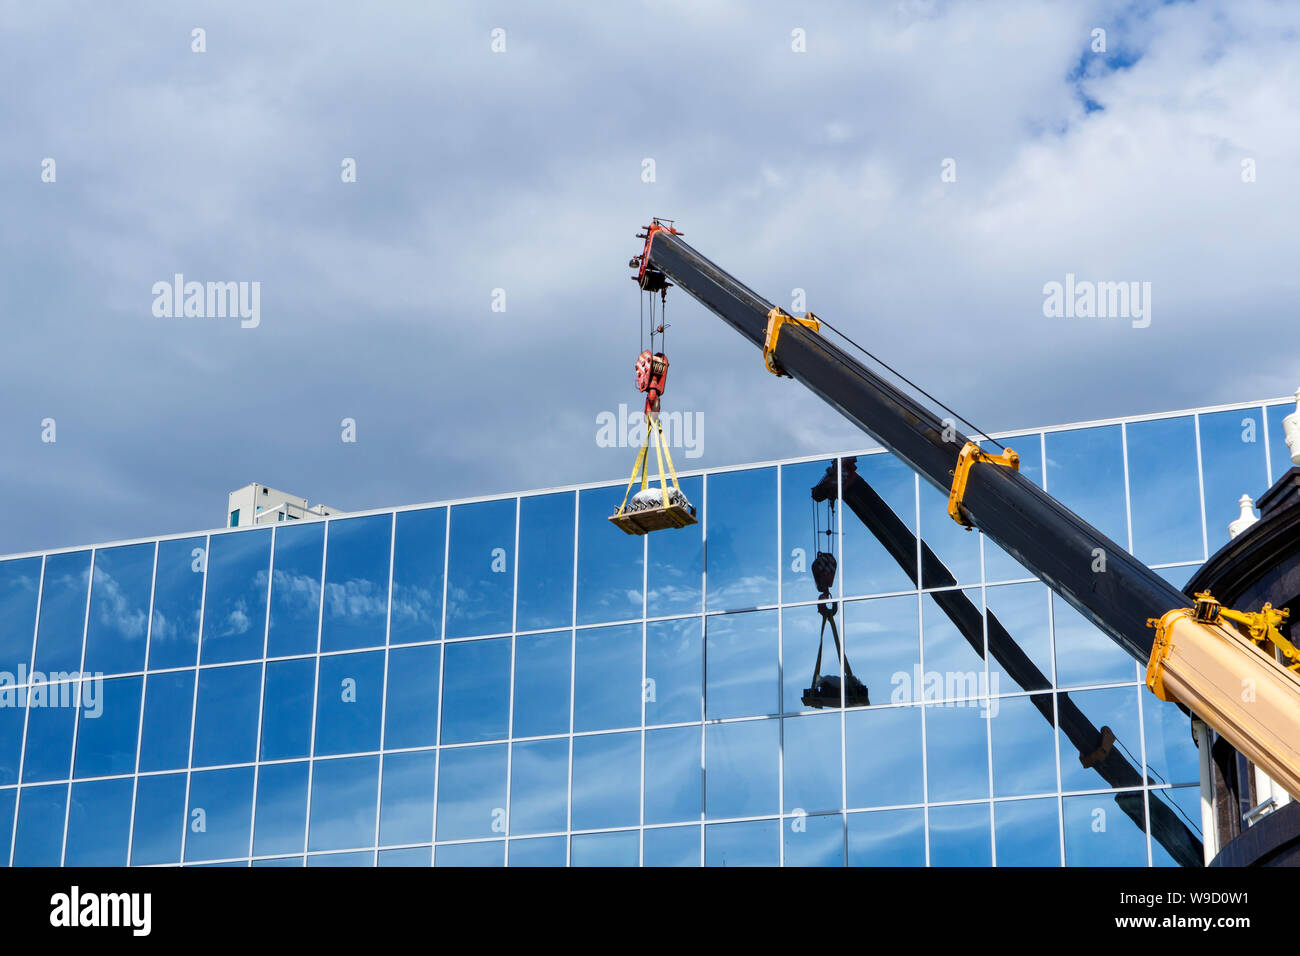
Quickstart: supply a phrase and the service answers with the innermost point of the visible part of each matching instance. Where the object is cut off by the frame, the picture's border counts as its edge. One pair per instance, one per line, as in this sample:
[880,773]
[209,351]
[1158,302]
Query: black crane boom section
[1098,577]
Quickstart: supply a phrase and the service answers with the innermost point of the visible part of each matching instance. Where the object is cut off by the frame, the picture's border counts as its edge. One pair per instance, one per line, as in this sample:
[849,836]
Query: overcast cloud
[522,171]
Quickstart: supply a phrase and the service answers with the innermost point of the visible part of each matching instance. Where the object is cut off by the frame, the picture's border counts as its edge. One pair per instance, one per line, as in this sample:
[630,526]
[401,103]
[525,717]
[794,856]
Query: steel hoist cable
[893,371]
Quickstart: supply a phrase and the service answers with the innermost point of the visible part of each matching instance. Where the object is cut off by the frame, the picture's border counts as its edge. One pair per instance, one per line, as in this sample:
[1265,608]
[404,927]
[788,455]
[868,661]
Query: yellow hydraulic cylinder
[1234,686]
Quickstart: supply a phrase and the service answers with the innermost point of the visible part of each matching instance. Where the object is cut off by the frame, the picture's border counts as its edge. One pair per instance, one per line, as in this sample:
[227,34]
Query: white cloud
[522,171]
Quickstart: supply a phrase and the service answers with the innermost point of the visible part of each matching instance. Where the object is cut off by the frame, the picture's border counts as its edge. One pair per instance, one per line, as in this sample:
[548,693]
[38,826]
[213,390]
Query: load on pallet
[651,508]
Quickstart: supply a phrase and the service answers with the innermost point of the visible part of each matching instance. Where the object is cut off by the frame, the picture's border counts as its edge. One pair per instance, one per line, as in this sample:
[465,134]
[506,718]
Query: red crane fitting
[651,378]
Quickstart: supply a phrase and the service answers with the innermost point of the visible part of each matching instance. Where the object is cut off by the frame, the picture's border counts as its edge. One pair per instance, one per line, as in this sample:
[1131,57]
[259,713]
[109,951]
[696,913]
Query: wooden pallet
[654,519]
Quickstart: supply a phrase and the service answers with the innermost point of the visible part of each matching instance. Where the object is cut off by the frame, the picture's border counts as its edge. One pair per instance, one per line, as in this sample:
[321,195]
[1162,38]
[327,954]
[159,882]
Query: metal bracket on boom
[775,319]
[970,454]
[1262,626]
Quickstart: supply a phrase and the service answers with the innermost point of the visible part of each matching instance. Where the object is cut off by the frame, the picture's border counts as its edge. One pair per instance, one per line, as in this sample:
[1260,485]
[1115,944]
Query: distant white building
[259,504]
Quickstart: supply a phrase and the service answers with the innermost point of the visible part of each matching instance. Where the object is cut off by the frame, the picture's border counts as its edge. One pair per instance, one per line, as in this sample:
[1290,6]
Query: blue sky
[522,171]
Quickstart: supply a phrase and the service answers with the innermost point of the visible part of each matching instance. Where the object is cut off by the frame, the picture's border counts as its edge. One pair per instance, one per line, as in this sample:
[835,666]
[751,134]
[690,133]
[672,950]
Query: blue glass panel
[406,801]
[1018,617]
[356,583]
[959,835]
[220,814]
[8,801]
[814,841]
[99,823]
[957,754]
[1165,490]
[800,541]
[480,578]
[802,635]
[63,613]
[606,780]
[349,703]
[742,557]
[1232,465]
[543,663]
[344,794]
[19,586]
[954,662]
[1172,756]
[1103,829]
[225,722]
[675,582]
[471,792]
[159,820]
[13,712]
[281,823]
[411,714]
[609,561]
[39,840]
[546,524]
[671,846]
[234,612]
[621,848]
[295,589]
[1176,844]
[1085,471]
[539,786]
[956,548]
[883,756]
[1178,576]
[290,861]
[887,838]
[883,644]
[1028,832]
[538,851]
[287,708]
[476,691]
[51,714]
[109,725]
[744,763]
[674,671]
[1084,655]
[812,763]
[177,602]
[490,853]
[364,858]
[1279,454]
[1024,758]
[673,778]
[607,678]
[998,565]
[168,708]
[752,843]
[409,856]
[868,568]
[119,609]
[421,541]
[1112,707]
[743,665]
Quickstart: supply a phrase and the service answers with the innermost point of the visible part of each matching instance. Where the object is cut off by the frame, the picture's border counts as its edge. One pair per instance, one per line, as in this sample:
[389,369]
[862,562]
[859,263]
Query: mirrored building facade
[514,680]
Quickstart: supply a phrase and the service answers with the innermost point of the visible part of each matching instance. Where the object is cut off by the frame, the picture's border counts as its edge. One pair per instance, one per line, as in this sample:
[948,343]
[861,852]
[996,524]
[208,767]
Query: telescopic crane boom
[1196,656]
